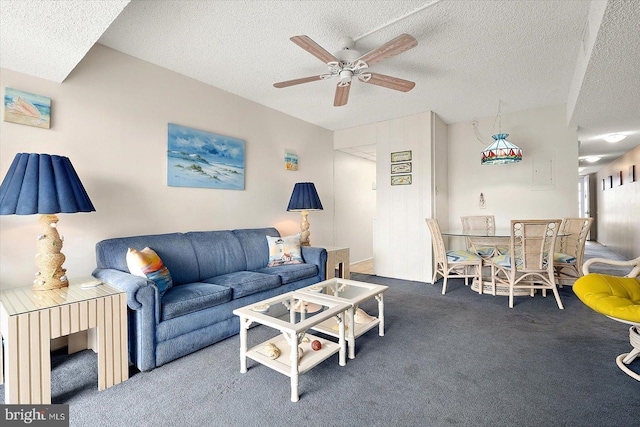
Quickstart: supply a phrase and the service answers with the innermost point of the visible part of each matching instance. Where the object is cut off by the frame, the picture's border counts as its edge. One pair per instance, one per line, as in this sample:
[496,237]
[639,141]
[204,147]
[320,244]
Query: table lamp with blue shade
[44,184]
[304,199]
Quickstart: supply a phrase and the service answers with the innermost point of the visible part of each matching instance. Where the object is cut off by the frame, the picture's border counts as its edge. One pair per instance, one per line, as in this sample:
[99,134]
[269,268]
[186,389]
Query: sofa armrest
[143,300]
[317,256]
[127,282]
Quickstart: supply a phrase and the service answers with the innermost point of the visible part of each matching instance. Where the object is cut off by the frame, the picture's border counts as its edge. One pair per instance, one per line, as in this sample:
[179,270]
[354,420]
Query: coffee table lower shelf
[282,364]
[330,327]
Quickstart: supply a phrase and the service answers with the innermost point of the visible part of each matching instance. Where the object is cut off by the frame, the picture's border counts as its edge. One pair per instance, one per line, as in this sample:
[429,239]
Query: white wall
[619,207]
[110,118]
[512,191]
[355,204]
[402,246]
[440,190]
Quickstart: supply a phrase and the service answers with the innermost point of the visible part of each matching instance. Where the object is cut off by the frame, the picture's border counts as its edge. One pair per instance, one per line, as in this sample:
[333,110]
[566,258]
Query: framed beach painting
[197,158]
[27,108]
[290,160]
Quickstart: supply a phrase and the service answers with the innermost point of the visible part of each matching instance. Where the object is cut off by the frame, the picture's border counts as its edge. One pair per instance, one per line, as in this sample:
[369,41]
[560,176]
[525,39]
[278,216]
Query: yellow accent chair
[617,298]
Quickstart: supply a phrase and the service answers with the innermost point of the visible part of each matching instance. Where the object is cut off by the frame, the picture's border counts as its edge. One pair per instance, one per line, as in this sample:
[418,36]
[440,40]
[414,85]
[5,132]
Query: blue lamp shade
[42,184]
[501,151]
[304,198]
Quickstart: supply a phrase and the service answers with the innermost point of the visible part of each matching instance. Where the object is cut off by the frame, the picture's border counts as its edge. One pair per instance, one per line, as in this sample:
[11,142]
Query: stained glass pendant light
[501,151]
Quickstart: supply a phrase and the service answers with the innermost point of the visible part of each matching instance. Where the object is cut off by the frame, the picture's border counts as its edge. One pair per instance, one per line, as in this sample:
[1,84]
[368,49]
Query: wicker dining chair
[569,253]
[529,263]
[452,263]
[485,247]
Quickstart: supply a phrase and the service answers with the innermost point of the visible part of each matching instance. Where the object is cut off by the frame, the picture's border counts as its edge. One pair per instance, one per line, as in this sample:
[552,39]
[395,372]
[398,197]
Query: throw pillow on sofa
[146,263]
[284,250]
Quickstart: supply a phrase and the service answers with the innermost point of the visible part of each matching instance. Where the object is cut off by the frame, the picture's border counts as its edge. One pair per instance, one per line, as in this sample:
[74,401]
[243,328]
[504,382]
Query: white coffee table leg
[244,325]
[293,343]
[341,340]
[351,332]
[380,300]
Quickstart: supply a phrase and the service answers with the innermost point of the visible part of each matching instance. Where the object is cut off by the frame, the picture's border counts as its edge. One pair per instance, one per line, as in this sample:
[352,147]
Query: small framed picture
[290,160]
[401,156]
[27,108]
[619,177]
[401,180]
[610,178]
[404,167]
[603,184]
[632,173]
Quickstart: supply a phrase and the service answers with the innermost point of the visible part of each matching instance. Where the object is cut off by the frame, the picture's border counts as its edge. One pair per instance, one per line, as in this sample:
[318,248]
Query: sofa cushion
[255,245]
[246,283]
[146,263]
[217,252]
[174,249]
[291,273]
[192,297]
[284,250]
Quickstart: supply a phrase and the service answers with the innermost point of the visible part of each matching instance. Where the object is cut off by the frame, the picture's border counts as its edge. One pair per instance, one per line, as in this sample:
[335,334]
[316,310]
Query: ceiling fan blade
[314,48]
[388,82]
[342,95]
[298,81]
[391,48]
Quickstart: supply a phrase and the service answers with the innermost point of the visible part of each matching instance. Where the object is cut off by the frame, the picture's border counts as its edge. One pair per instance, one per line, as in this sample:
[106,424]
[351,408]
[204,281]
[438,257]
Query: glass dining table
[498,239]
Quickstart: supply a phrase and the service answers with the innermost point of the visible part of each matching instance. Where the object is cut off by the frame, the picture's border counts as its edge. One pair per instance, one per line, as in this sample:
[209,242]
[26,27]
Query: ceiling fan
[349,63]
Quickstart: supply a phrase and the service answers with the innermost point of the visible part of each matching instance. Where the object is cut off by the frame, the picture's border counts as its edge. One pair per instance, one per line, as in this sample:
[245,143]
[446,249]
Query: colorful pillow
[284,250]
[146,263]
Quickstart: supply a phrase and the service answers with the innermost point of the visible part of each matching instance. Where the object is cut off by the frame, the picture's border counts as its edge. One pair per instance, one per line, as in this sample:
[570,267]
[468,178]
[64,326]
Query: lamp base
[304,229]
[49,258]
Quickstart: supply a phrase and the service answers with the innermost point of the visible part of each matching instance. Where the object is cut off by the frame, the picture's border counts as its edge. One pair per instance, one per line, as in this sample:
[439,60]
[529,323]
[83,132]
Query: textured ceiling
[47,39]
[470,54]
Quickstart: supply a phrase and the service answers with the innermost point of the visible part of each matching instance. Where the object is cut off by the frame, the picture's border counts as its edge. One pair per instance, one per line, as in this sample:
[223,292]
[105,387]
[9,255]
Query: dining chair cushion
[461,256]
[562,258]
[613,296]
[502,260]
[484,251]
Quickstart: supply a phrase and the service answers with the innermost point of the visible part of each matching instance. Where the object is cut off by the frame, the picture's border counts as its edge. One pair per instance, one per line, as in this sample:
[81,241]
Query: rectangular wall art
[401,156]
[404,167]
[401,180]
[290,160]
[196,158]
[27,108]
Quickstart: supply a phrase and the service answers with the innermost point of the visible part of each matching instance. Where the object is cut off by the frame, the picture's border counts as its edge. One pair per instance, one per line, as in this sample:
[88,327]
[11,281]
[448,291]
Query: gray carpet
[459,359]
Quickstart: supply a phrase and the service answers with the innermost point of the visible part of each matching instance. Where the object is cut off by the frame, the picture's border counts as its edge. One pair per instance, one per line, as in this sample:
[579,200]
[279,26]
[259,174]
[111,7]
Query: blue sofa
[213,272]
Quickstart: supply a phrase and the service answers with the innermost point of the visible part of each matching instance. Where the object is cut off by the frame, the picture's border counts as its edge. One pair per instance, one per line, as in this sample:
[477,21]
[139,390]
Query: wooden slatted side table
[337,257]
[30,319]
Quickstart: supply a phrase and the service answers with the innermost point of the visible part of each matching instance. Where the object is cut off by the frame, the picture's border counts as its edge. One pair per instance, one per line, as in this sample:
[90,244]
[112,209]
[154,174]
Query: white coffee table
[293,314]
[353,293]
